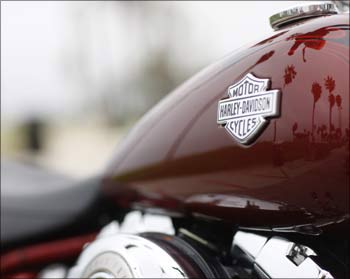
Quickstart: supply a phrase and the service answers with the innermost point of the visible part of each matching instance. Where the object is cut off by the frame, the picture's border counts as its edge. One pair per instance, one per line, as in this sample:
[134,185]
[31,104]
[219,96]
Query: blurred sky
[43,42]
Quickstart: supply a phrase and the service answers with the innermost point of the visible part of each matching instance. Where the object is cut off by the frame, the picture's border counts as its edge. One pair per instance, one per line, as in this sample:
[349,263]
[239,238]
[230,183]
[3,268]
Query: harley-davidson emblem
[247,110]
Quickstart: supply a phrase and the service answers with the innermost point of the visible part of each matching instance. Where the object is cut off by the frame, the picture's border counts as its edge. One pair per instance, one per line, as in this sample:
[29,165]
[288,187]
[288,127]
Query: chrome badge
[247,110]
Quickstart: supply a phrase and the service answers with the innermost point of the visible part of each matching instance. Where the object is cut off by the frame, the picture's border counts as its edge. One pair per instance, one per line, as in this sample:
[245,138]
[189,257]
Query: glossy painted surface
[178,159]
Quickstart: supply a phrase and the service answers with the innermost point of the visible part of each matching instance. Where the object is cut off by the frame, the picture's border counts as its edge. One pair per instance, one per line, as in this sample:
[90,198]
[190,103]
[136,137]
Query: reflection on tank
[289,74]
[271,39]
[320,132]
[296,169]
[316,91]
[313,40]
[265,57]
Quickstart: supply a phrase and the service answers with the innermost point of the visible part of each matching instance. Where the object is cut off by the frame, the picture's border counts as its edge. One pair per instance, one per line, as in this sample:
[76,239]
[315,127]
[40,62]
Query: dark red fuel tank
[178,159]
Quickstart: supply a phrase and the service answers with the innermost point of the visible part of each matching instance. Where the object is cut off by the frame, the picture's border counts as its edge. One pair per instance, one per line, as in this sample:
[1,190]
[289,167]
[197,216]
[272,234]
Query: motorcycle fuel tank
[293,170]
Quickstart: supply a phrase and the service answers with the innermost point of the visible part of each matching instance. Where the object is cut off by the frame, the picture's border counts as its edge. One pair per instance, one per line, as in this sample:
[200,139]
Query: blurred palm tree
[330,85]
[316,91]
[338,101]
[289,74]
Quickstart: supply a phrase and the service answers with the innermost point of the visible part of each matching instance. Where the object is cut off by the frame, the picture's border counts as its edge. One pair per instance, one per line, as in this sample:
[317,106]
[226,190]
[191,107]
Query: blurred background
[75,76]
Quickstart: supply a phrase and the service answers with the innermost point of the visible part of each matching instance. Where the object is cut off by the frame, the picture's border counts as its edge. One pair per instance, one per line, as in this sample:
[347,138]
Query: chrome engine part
[54,271]
[125,256]
[277,257]
[118,252]
[145,246]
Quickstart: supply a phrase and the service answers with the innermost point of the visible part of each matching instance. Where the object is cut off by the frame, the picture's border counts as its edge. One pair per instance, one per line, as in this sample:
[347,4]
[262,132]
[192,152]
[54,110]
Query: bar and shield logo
[248,108]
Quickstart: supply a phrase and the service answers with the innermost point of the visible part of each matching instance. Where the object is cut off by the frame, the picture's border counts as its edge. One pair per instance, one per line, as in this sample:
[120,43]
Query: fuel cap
[301,12]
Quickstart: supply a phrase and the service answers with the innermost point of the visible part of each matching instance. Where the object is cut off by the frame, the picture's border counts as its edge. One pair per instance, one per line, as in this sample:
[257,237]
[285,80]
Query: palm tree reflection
[330,85]
[338,101]
[316,91]
[289,74]
[321,137]
[322,132]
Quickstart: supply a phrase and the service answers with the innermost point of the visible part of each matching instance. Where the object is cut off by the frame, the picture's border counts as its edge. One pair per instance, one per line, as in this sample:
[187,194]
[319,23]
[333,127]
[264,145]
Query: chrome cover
[54,271]
[279,258]
[303,11]
[117,253]
[125,256]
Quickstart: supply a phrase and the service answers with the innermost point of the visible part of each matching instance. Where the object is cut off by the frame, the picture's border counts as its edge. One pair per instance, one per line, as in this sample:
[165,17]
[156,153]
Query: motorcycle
[241,172]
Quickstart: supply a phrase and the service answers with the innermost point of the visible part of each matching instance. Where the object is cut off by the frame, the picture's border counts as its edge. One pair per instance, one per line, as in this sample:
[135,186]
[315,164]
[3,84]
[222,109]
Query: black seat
[35,201]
